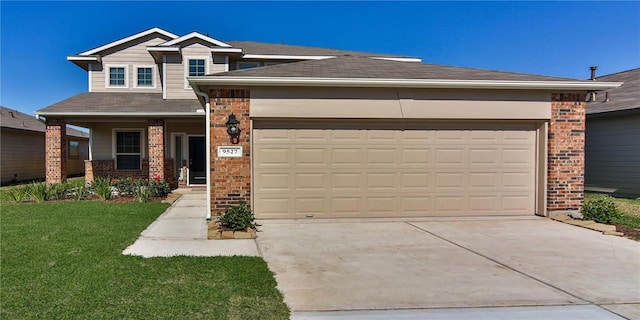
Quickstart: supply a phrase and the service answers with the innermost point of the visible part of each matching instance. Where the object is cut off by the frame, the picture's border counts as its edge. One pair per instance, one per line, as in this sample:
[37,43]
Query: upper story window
[196,67]
[116,77]
[247,65]
[144,77]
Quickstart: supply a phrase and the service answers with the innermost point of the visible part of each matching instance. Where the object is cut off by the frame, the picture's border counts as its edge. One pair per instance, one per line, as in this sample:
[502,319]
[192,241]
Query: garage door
[375,169]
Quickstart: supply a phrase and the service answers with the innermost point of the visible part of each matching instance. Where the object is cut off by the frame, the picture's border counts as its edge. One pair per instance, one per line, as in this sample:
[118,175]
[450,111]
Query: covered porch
[141,136]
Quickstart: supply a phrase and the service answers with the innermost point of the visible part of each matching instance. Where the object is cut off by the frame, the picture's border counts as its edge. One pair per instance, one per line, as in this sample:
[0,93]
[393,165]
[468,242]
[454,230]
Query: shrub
[141,191]
[102,188]
[159,188]
[601,209]
[59,191]
[125,186]
[18,194]
[238,217]
[38,191]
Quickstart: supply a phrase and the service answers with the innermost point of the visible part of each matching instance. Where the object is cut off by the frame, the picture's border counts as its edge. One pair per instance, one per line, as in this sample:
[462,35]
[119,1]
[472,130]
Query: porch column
[56,151]
[155,136]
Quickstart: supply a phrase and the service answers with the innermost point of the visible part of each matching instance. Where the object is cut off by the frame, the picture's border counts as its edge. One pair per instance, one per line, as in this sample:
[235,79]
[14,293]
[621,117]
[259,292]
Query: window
[74,149]
[128,150]
[145,77]
[116,76]
[196,67]
[248,65]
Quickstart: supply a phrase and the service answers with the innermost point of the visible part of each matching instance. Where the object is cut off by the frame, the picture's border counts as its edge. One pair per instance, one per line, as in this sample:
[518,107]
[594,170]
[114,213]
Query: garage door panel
[414,169]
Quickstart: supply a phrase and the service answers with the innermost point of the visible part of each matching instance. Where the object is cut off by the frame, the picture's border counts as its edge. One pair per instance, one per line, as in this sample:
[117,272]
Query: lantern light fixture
[233,128]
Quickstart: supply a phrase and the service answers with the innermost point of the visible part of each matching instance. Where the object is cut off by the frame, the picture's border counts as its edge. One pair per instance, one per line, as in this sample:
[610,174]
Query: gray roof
[252,47]
[363,67]
[14,119]
[625,97]
[121,103]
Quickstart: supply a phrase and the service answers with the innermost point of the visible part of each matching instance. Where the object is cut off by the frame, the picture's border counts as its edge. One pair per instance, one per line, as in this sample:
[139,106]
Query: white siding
[613,155]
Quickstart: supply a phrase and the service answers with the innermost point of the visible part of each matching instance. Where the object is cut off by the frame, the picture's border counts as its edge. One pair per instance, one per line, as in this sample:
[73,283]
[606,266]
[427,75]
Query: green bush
[39,191]
[141,190]
[59,191]
[125,186]
[238,217]
[102,188]
[159,188]
[601,209]
[18,194]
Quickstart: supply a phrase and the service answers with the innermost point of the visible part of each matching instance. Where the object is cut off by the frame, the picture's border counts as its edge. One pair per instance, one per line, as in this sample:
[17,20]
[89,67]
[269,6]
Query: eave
[84,61]
[120,114]
[401,83]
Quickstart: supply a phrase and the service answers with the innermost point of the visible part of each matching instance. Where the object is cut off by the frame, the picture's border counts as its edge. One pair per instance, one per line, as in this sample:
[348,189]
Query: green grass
[63,260]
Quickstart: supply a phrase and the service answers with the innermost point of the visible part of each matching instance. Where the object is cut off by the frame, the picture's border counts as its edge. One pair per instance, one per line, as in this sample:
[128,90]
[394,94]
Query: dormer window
[116,77]
[247,65]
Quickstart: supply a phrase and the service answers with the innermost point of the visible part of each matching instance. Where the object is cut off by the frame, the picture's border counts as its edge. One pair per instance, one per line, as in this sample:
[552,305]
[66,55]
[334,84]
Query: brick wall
[156,148]
[565,187]
[56,151]
[106,169]
[230,177]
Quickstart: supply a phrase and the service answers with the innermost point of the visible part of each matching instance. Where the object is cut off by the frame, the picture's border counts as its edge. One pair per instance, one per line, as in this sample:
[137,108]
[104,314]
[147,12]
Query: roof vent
[13,114]
[593,72]
[24,124]
[606,96]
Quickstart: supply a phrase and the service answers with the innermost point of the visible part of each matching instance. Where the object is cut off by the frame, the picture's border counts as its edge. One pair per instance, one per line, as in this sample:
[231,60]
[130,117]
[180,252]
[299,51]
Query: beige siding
[23,155]
[102,136]
[398,103]
[613,155]
[382,169]
[127,55]
[177,87]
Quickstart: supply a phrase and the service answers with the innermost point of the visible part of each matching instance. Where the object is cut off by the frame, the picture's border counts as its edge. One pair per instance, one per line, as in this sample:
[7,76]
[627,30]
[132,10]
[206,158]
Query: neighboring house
[613,137]
[328,133]
[23,147]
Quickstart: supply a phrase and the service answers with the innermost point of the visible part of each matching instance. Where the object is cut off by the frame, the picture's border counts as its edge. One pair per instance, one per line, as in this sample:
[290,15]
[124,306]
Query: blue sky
[551,38]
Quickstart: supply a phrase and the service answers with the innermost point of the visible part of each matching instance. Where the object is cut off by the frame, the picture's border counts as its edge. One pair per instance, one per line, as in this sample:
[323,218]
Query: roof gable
[17,120]
[196,35]
[127,39]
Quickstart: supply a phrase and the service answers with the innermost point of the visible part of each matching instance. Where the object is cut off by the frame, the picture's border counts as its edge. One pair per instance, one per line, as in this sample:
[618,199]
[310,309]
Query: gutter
[207,111]
[127,114]
[401,83]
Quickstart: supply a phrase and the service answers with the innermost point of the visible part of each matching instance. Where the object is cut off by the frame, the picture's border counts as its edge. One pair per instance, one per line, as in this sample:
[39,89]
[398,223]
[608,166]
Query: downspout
[207,110]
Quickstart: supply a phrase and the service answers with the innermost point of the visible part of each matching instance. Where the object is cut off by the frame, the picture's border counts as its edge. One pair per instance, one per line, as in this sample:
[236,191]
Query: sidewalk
[182,231]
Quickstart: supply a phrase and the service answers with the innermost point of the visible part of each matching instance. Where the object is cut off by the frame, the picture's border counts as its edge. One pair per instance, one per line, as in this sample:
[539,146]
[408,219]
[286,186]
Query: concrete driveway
[428,264]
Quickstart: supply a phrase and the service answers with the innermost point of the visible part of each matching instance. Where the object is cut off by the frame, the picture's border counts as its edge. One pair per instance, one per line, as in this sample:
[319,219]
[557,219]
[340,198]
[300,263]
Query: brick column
[56,146]
[156,148]
[230,177]
[565,186]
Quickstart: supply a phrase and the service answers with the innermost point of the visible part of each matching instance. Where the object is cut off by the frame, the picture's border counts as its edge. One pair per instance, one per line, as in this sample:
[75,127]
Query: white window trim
[256,63]
[107,74]
[114,145]
[153,76]
[186,59]
[183,149]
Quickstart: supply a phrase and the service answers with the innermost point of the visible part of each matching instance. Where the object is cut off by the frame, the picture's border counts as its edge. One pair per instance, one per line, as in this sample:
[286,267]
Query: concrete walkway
[182,230]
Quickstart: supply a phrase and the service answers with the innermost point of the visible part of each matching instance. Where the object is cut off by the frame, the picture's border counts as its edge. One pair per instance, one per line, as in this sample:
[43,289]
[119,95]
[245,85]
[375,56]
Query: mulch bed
[629,232]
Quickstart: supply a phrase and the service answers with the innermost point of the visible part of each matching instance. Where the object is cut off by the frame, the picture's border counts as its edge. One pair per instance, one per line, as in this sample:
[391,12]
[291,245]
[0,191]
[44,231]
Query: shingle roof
[251,47]
[121,103]
[17,120]
[363,67]
[625,97]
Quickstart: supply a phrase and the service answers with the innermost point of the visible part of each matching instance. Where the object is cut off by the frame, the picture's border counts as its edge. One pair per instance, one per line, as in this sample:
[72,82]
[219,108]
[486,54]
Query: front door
[197,161]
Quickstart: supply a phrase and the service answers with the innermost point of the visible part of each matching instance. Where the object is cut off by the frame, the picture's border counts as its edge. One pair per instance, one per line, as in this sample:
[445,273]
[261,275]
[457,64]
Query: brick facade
[230,177]
[156,149]
[565,157]
[106,169]
[56,151]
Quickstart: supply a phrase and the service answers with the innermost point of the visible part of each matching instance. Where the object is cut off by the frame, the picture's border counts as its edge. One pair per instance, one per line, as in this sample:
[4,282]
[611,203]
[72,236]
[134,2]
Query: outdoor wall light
[232,129]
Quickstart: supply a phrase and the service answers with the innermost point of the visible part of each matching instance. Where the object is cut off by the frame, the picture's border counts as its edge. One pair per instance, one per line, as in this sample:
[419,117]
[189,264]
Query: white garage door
[374,169]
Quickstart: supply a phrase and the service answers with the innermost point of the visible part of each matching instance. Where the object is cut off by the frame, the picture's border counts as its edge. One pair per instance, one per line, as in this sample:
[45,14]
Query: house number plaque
[230,151]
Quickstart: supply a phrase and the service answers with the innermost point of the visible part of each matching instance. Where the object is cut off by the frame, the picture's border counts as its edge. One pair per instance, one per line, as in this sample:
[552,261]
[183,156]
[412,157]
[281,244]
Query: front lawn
[62,260]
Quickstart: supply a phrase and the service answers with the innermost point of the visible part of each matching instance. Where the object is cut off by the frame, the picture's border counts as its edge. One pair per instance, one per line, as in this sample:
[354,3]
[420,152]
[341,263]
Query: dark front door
[197,161]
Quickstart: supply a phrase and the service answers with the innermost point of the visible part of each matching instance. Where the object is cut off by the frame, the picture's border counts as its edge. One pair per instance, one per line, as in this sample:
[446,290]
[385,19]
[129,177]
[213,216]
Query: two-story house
[312,132]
